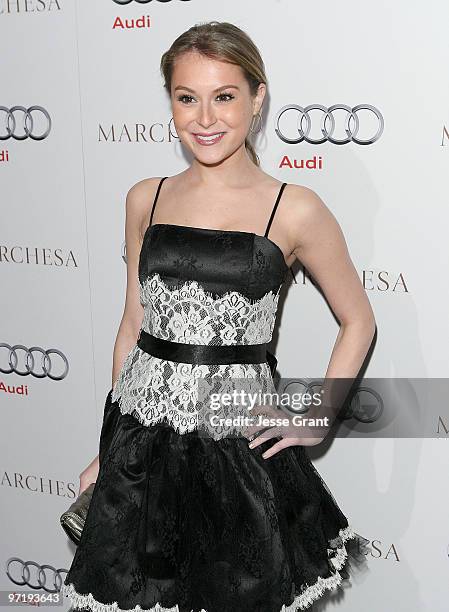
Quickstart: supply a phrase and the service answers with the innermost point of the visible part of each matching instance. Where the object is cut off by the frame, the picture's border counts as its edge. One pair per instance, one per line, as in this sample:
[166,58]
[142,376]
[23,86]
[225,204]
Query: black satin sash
[205,353]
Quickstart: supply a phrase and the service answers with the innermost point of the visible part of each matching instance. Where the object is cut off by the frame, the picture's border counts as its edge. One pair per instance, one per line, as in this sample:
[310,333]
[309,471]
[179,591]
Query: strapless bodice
[204,287]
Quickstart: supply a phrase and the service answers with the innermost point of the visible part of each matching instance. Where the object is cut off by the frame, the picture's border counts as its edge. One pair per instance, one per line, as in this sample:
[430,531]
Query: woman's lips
[209,140]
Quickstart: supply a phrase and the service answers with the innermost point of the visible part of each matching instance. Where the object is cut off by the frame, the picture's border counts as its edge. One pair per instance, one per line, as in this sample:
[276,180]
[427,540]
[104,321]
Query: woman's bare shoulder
[142,190]
[302,201]
[304,212]
[139,201]
[304,204]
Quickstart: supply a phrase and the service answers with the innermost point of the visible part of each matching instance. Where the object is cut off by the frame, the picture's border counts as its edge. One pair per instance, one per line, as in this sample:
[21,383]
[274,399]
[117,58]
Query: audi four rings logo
[10,128]
[292,133]
[47,577]
[366,405]
[31,365]
[143,1]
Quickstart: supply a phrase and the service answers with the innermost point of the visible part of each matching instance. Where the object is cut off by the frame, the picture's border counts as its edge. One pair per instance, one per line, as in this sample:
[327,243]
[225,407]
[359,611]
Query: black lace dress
[181,521]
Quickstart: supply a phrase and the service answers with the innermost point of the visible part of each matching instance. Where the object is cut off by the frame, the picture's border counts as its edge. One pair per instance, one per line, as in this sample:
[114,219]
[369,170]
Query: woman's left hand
[290,433]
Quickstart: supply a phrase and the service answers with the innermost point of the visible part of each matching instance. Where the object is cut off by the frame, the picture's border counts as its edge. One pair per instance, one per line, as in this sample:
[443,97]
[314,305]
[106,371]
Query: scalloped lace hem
[301,601]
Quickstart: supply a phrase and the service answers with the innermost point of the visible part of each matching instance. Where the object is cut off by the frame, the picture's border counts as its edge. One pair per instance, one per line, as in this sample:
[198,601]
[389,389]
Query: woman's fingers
[267,434]
[261,418]
[278,446]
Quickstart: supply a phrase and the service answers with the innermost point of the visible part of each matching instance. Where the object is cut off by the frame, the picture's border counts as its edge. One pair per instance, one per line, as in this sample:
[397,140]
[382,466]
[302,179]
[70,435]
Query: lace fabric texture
[156,389]
[189,313]
[184,523]
[339,556]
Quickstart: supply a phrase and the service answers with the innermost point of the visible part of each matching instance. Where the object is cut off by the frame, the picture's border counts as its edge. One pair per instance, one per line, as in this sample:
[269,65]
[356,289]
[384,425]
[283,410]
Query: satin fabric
[221,260]
[202,353]
[203,524]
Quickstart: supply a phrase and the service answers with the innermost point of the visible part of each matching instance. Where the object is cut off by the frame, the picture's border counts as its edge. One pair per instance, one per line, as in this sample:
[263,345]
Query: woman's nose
[206,115]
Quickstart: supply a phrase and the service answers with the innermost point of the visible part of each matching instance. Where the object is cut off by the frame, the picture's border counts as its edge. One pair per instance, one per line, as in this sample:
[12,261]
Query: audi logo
[22,574]
[365,406]
[294,134]
[31,365]
[27,130]
[143,1]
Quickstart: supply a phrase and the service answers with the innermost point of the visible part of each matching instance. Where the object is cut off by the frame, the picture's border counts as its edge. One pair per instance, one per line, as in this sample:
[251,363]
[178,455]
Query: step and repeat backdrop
[84,116]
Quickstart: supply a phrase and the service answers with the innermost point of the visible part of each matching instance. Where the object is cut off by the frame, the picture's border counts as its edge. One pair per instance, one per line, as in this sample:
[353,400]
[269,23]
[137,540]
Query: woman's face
[212,106]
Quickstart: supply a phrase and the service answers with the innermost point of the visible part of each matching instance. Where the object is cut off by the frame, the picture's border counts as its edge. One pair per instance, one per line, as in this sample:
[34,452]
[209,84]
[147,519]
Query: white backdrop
[62,240]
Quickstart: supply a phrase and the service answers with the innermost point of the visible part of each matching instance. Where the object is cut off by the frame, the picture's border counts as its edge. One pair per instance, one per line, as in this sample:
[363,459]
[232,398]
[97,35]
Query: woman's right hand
[89,475]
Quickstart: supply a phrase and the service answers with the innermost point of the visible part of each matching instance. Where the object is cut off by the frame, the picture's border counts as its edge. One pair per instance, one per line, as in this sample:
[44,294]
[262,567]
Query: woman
[181,521]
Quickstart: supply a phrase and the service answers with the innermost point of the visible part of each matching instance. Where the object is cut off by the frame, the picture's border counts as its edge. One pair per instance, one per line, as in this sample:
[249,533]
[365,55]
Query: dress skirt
[181,523]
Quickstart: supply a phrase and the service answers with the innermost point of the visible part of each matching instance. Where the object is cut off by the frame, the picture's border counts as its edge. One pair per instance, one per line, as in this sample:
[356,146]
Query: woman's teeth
[208,140]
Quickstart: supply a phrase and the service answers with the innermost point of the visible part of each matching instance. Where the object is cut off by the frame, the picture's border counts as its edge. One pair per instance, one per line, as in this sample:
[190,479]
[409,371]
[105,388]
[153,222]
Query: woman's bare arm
[320,245]
[138,205]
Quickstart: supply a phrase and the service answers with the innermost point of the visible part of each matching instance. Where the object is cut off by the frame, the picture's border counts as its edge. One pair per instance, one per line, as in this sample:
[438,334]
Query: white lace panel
[156,389]
[190,314]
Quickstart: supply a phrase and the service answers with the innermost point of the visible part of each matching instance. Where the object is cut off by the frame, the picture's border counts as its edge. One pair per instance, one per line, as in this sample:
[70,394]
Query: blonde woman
[179,520]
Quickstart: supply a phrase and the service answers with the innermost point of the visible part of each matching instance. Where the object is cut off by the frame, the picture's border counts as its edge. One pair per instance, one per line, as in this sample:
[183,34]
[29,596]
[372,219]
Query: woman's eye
[183,97]
[228,95]
[186,99]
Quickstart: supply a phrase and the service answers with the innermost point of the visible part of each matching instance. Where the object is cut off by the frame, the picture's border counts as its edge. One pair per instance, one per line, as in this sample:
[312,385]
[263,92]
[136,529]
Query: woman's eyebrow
[217,89]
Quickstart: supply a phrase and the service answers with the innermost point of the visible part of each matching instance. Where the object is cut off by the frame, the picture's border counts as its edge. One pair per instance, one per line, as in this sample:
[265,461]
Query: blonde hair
[222,41]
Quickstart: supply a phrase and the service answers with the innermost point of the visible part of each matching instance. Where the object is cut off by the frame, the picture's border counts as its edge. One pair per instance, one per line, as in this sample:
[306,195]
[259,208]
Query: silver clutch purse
[73,519]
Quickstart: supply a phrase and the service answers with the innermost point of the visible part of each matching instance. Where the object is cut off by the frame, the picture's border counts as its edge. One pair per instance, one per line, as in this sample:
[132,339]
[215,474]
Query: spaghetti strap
[155,198]
[274,208]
